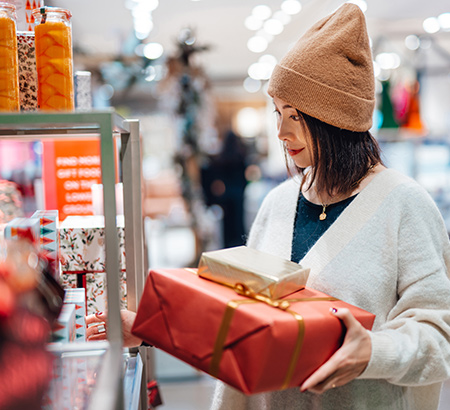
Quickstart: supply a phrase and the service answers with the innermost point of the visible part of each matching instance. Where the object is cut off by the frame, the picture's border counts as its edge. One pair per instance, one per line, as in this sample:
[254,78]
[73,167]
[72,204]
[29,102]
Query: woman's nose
[283,131]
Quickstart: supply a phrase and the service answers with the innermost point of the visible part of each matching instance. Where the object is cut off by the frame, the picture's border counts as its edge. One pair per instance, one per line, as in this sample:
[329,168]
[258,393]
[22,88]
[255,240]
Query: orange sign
[70,168]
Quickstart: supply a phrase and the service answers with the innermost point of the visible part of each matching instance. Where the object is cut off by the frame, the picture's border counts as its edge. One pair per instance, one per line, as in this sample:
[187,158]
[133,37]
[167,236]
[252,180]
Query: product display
[262,273]
[27,71]
[26,228]
[49,238]
[77,297]
[64,329]
[9,78]
[82,246]
[253,343]
[54,59]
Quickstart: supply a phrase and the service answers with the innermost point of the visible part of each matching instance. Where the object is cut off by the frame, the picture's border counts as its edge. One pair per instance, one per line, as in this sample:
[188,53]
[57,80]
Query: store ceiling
[104,28]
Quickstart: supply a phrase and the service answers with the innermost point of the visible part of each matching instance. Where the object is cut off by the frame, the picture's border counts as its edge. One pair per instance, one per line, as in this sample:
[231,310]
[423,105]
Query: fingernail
[98,313]
[333,310]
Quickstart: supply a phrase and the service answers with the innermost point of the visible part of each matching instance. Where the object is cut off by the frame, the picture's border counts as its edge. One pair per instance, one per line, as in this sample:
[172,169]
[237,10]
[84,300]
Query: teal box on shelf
[49,237]
[64,327]
[77,297]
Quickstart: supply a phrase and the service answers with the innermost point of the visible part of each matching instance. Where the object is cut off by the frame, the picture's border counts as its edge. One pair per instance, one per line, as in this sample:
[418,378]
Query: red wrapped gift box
[251,343]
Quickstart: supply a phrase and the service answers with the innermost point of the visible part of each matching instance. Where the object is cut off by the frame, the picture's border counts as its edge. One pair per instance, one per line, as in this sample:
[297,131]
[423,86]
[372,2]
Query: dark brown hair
[341,157]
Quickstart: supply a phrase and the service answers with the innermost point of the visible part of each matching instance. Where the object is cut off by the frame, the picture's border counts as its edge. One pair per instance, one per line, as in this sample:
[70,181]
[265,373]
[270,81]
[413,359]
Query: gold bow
[253,297]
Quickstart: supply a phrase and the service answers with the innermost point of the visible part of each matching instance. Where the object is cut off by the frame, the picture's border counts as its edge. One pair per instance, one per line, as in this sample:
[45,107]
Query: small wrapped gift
[64,329]
[77,297]
[49,238]
[249,341]
[23,228]
[82,247]
[265,274]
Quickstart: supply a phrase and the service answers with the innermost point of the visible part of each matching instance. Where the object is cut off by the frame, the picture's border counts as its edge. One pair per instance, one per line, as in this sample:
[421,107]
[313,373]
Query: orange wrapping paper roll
[9,67]
[54,62]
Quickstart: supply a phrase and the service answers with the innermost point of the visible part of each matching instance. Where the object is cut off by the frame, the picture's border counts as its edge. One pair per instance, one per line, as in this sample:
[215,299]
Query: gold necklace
[323,215]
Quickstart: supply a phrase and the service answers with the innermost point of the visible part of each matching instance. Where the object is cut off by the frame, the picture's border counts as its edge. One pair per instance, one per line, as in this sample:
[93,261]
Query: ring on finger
[101,329]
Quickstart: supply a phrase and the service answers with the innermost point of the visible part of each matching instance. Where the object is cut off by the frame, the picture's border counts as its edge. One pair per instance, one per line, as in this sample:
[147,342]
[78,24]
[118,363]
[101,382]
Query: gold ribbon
[253,297]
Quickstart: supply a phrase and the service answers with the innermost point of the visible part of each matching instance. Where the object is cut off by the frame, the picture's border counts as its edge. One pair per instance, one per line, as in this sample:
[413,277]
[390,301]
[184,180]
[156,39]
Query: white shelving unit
[109,391]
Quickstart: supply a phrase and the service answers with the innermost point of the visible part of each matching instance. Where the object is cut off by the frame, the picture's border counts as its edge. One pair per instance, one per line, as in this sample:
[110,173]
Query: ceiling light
[273,26]
[253,23]
[150,73]
[291,6]
[262,12]
[388,61]
[147,5]
[257,44]
[251,85]
[431,25]
[412,42]
[444,21]
[152,51]
[265,35]
[268,59]
[260,71]
[248,121]
[282,16]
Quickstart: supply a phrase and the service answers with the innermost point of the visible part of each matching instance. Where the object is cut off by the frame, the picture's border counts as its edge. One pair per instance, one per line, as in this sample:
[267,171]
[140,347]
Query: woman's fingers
[348,362]
[96,326]
[97,317]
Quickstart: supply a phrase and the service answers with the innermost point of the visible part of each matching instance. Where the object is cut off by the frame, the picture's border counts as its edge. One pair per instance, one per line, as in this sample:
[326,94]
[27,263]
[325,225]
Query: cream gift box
[264,274]
[82,253]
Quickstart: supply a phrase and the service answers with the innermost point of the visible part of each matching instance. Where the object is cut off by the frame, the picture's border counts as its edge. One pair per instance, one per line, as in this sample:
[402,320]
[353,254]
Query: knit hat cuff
[319,100]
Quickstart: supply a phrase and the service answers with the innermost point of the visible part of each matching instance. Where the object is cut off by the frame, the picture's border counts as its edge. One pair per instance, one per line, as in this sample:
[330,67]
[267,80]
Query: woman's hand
[99,331]
[348,362]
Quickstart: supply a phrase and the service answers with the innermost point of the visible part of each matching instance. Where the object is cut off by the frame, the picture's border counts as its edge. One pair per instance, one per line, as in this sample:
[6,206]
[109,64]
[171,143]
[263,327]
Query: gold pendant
[323,215]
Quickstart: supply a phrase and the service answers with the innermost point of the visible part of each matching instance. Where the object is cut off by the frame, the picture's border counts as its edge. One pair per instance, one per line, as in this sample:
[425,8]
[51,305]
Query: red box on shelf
[254,344]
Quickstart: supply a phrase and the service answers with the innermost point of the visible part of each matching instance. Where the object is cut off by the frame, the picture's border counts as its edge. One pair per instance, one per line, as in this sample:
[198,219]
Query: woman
[372,237]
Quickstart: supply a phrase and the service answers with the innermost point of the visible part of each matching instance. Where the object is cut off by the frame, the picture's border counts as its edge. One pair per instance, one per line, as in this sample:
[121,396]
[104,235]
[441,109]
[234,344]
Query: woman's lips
[293,152]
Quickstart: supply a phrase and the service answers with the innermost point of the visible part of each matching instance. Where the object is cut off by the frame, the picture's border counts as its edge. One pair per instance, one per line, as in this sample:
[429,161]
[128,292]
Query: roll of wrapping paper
[27,71]
[54,59]
[9,67]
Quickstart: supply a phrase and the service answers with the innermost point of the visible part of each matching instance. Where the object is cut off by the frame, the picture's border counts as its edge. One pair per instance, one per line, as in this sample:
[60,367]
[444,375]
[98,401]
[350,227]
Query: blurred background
[194,72]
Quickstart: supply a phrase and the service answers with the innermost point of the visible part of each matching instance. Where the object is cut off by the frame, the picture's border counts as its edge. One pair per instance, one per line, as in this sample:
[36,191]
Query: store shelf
[106,125]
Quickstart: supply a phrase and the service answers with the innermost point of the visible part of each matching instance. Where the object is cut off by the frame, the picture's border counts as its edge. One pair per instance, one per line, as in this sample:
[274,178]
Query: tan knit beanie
[328,74]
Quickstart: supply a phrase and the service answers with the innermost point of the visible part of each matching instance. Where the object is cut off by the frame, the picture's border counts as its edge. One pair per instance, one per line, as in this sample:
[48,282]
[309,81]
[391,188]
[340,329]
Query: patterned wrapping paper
[27,71]
[83,259]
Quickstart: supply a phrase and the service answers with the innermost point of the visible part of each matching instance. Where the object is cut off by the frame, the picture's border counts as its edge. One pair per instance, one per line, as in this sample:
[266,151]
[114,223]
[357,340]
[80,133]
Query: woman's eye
[295,117]
[277,113]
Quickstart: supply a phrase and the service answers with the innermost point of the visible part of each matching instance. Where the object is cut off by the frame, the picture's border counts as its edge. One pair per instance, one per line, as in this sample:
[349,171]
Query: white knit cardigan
[388,253]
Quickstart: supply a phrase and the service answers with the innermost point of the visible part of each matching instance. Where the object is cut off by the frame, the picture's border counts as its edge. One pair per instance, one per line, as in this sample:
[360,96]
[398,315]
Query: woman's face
[292,134]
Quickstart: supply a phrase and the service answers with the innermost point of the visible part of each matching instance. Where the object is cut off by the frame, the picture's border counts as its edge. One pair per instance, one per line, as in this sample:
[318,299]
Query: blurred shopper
[224,184]
[371,236]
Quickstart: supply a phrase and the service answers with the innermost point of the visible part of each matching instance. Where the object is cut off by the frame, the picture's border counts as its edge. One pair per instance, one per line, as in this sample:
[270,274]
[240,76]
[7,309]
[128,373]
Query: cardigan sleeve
[413,346]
